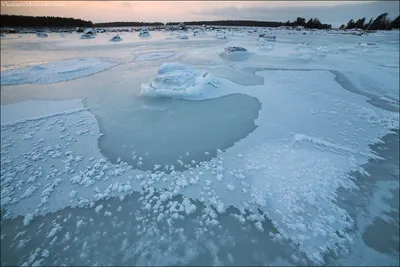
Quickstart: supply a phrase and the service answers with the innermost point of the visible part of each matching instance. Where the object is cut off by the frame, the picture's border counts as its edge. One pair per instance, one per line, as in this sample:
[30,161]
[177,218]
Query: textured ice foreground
[283,168]
[55,72]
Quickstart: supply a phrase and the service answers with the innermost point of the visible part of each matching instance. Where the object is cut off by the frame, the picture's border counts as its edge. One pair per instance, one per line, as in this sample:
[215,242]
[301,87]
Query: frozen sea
[167,151]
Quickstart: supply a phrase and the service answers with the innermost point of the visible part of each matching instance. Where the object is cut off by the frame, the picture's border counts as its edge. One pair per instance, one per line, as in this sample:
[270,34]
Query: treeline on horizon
[28,21]
[382,22]
[313,23]
[128,24]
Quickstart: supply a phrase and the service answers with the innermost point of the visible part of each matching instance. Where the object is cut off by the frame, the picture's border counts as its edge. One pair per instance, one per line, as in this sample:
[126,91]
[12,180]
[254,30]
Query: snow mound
[267,37]
[87,36]
[178,80]
[55,72]
[234,49]
[90,31]
[144,32]
[116,38]
[153,56]
[184,37]
[42,34]
[235,53]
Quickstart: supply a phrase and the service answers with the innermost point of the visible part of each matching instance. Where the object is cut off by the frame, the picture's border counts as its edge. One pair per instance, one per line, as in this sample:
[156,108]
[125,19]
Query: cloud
[333,14]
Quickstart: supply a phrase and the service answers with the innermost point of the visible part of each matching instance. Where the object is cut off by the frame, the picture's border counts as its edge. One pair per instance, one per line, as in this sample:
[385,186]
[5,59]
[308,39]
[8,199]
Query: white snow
[55,72]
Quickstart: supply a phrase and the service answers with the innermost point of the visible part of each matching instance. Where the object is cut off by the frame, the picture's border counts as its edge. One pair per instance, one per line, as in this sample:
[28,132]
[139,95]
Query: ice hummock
[235,53]
[267,37]
[234,49]
[42,34]
[177,80]
[144,32]
[116,38]
[87,36]
[90,31]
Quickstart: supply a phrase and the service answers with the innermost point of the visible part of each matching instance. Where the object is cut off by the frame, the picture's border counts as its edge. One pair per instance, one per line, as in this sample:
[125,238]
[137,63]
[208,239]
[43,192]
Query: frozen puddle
[160,131]
[55,72]
[311,133]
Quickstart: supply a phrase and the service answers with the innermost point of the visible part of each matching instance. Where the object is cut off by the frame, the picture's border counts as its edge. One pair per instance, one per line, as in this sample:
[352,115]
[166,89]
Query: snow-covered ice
[153,56]
[55,72]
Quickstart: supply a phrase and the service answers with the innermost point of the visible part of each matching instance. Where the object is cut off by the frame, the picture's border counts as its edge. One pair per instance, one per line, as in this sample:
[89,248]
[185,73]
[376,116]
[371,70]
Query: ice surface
[55,72]
[153,56]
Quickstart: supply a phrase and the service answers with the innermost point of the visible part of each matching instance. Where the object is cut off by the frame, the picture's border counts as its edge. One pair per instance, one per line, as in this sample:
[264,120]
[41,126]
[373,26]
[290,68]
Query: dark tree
[395,24]
[34,22]
[128,24]
[360,23]
[350,24]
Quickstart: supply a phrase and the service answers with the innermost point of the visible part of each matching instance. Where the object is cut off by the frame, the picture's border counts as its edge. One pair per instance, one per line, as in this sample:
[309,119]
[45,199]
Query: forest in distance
[381,22]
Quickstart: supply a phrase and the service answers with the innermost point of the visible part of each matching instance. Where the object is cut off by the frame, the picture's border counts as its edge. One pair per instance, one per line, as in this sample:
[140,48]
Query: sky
[331,12]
